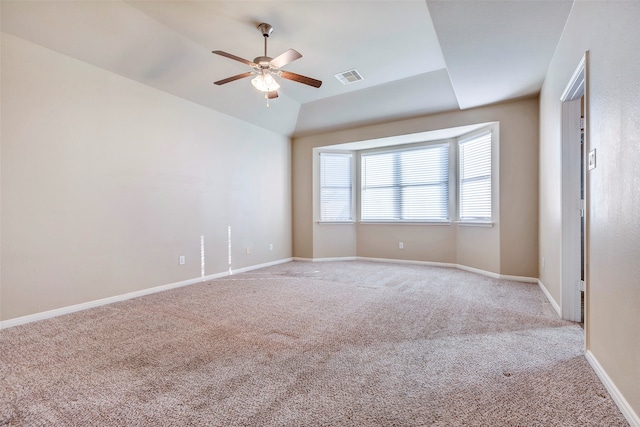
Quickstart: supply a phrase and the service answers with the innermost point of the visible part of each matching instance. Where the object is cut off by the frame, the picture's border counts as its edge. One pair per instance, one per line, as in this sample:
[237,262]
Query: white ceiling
[417,57]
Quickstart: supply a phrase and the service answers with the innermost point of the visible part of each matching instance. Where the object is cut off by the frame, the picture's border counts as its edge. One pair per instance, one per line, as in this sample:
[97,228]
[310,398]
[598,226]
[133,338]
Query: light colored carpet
[309,344]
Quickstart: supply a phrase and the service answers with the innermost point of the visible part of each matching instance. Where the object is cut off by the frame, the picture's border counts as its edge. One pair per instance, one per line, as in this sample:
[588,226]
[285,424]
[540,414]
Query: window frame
[454,176]
[481,222]
[352,204]
[448,143]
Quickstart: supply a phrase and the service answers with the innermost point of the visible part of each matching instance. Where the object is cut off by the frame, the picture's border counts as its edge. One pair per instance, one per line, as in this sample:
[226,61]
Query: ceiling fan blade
[233,78]
[273,94]
[284,59]
[235,58]
[300,79]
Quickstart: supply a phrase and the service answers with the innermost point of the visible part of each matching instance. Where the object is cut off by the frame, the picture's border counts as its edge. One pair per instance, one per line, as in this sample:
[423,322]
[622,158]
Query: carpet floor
[309,344]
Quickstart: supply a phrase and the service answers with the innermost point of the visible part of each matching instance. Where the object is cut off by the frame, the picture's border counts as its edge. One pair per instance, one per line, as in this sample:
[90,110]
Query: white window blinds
[475,178]
[406,185]
[335,187]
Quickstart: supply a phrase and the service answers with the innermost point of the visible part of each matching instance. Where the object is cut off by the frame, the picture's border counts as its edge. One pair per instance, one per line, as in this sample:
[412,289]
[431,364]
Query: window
[335,187]
[475,178]
[406,185]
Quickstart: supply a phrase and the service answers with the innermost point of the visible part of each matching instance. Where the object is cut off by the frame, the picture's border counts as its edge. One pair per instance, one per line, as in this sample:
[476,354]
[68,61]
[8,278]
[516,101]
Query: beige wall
[334,240]
[479,247]
[303,196]
[106,182]
[610,32]
[433,243]
[510,247]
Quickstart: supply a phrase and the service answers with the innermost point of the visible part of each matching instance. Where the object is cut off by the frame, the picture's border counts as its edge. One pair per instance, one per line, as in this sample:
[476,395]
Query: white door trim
[571,199]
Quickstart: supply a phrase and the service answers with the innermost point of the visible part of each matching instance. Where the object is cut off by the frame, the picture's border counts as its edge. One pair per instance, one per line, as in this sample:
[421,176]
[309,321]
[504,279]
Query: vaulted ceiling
[417,57]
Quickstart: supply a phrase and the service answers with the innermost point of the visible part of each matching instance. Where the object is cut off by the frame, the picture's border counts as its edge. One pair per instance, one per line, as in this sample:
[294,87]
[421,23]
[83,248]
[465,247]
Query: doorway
[574,193]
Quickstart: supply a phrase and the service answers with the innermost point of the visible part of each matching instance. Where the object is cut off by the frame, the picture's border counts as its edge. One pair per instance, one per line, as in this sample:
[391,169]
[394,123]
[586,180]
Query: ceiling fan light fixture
[265,83]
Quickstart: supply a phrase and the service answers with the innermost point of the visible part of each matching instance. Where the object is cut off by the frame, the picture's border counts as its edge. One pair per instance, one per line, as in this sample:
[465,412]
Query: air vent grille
[350,76]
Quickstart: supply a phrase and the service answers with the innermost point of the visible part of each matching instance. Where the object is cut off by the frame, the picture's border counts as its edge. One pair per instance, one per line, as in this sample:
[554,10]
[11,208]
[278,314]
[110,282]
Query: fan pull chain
[266,96]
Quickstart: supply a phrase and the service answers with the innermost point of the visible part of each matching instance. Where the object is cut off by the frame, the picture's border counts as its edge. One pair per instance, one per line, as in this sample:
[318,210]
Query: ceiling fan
[265,68]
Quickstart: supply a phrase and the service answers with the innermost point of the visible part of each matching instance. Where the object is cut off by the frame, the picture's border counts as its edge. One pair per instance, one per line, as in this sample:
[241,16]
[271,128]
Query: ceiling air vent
[349,77]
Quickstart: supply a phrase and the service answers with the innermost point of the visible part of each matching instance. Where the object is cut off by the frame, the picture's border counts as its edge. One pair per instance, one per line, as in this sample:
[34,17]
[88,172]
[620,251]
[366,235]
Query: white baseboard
[347,258]
[96,303]
[430,264]
[478,271]
[524,279]
[632,418]
[553,302]
[259,266]
[407,261]
[452,265]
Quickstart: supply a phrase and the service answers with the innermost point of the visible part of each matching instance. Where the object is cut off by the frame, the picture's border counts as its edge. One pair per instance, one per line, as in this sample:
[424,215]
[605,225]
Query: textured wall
[610,32]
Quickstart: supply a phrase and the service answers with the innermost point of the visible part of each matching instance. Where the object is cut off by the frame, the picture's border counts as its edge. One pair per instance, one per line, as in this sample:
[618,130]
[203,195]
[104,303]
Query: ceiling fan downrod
[266,31]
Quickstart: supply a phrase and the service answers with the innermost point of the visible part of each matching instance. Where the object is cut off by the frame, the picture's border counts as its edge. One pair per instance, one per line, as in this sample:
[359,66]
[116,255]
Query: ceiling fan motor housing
[263,61]
[265,29]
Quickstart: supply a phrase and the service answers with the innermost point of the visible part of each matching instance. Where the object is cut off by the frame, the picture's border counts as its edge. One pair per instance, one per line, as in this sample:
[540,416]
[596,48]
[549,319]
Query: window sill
[336,222]
[405,222]
[488,224]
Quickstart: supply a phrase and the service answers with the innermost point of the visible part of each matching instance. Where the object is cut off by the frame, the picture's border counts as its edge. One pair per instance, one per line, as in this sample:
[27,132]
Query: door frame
[572,205]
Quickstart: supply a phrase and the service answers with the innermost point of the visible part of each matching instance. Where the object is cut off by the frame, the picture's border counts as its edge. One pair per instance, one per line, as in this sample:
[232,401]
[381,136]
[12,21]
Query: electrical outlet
[401,245]
[542,263]
[181,260]
[270,246]
[248,251]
